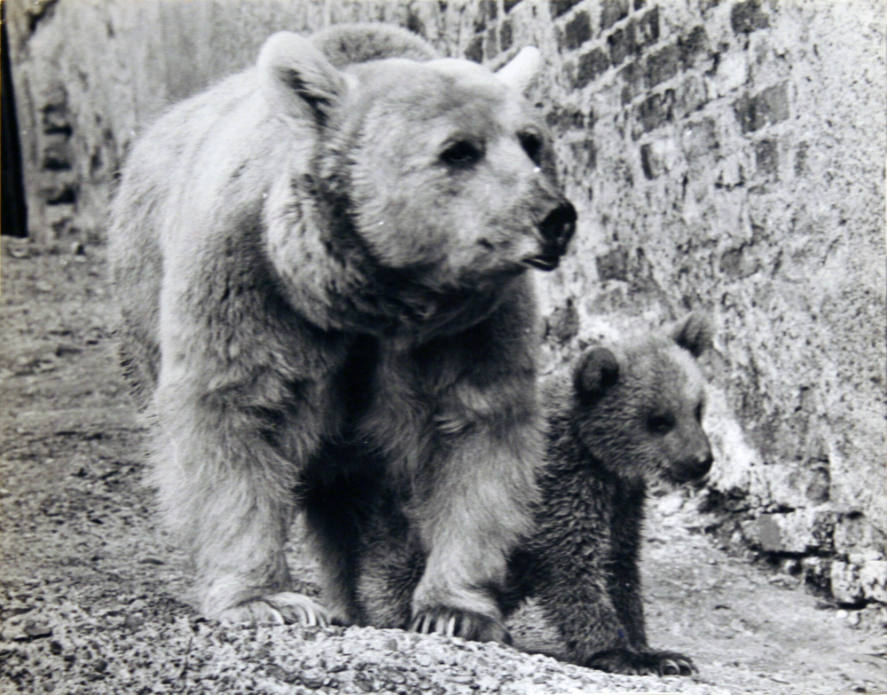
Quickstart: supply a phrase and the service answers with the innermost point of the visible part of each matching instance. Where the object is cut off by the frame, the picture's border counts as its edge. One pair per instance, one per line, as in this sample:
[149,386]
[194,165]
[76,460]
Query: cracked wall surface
[724,156]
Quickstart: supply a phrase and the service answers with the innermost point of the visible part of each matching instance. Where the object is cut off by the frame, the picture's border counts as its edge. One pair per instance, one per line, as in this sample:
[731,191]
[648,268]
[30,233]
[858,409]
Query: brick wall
[723,155]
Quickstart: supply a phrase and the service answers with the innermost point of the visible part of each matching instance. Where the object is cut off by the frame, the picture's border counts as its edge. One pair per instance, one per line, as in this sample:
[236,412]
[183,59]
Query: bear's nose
[559,225]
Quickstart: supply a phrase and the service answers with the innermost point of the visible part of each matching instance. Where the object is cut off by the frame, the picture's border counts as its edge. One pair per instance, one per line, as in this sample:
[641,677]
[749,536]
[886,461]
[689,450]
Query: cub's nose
[558,226]
[696,467]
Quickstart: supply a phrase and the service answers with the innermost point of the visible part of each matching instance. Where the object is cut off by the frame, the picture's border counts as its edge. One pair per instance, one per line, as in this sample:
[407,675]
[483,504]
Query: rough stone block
[873,579]
[591,65]
[764,108]
[475,49]
[653,112]
[691,45]
[699,138]
[846,587]
[632,78]
[801,531]
[746,17]
[662,65]
[659,157]
[647,29]
[576,32]
[612,11]
[767,159]
[506,35]
[621,43]
[559,7]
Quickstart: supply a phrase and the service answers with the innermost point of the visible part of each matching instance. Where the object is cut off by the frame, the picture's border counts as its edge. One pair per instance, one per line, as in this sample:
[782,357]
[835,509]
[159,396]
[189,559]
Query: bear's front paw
[642,662]
[459,623]
[277,609]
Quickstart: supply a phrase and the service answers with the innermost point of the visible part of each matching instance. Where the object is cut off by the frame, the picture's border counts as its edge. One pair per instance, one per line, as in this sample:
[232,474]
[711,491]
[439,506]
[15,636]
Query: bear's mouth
[544,261]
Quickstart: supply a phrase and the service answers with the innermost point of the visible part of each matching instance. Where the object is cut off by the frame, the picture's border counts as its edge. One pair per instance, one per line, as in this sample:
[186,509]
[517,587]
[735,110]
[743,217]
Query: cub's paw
[458,623]
[641,663]
[277,609]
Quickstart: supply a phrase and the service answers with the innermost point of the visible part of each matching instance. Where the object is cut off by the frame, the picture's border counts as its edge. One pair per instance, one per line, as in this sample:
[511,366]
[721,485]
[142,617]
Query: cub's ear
[694,334]
[598,370]
[297,80]
[520,72]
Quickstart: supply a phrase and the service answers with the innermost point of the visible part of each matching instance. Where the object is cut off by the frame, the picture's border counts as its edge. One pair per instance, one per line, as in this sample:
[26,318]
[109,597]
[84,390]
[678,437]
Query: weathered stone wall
[727,156]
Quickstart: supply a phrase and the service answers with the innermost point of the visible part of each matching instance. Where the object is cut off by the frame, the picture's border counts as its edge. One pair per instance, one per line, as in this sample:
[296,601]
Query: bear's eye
[461,154]
[532,145]
[660,423]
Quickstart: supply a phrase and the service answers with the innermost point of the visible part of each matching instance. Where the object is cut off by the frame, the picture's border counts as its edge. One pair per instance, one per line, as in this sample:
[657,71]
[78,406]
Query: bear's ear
[519,72]
[597,371]
[297,80]
[694,334]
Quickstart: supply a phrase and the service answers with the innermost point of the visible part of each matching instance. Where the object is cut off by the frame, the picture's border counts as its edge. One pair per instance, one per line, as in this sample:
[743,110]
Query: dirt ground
[92,591]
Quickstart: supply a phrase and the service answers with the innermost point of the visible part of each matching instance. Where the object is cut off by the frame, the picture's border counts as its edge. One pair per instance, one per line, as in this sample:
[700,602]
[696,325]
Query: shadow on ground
[93,595]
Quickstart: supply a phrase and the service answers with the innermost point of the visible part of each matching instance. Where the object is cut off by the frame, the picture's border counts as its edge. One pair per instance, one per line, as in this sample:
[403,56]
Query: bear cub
[630,414]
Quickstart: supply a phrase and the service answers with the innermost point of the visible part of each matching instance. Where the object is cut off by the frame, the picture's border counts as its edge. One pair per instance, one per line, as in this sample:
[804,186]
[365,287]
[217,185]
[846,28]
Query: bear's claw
[283,608]
[661,663]
[452,622]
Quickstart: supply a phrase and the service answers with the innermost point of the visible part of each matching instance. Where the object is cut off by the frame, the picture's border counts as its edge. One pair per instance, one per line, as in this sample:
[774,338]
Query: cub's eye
[461,154]
[532,145]
[660,423]
[700,408]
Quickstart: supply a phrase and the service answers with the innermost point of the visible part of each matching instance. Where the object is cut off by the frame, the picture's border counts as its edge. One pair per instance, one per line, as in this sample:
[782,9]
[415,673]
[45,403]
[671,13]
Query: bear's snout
[556,228]
[693,467]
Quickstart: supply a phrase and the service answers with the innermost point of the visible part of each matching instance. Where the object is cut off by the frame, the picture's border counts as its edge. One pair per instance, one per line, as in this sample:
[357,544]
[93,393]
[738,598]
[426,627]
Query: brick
[561,119]
[691,45]
[632,82]
[612,265]
[591,65]
[691,95]
[559,7]
[475,49]
[767,158]
[662,65]
[506,36]
[800,531]
[647,29]
[612,11]
[765,108]
[746,17]
[621,43]
[576,32]
[699,138]
[660,156]
[653,112]
[491,43]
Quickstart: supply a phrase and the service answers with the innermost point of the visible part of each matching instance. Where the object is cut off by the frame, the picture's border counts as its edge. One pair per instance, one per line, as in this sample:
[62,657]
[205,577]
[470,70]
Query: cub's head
[638,406]
[442,170]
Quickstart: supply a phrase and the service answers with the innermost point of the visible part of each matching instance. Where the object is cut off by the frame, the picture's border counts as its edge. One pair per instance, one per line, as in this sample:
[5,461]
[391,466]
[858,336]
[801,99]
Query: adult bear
[326,255]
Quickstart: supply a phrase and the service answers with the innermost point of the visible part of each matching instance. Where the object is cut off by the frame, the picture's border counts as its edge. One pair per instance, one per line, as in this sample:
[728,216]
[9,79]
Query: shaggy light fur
[325,256]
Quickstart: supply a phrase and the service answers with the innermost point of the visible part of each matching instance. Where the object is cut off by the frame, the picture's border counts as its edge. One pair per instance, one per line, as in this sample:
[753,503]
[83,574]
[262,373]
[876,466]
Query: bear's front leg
[470,521]
[227,488]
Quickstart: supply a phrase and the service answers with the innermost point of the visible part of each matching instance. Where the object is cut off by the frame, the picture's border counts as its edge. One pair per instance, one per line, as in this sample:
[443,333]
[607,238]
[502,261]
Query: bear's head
[638,406]
[439,172]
